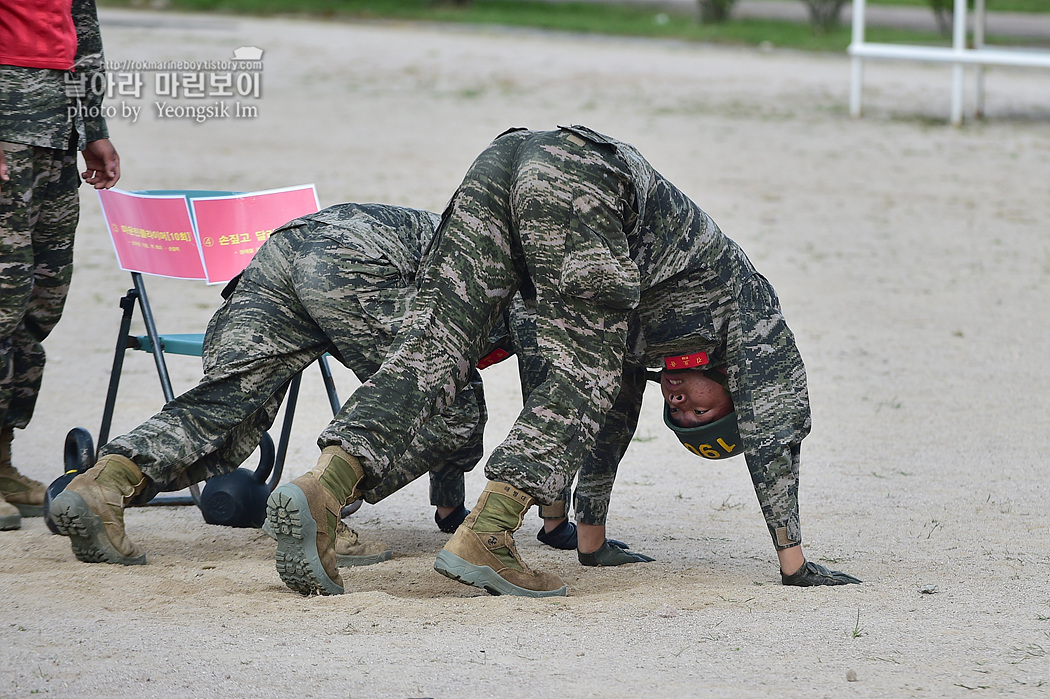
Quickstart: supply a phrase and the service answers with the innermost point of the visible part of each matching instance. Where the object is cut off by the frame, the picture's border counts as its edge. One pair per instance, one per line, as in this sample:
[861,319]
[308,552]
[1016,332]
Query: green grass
[583,17]
[992,5]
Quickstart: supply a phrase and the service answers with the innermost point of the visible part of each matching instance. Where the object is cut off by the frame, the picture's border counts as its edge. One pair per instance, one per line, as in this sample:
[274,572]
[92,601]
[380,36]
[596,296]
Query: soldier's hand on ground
[613,553]
[812,574]
[101,164]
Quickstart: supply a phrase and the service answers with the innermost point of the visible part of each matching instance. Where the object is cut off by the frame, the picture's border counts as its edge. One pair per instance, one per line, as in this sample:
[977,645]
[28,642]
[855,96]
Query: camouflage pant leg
[596,475]
[447,487]
[532,372]
[511,211]
[439,343]
[260,338]
[568,201]
[39,209]
[449,446]
[430,451]
[594,487]
[360,306]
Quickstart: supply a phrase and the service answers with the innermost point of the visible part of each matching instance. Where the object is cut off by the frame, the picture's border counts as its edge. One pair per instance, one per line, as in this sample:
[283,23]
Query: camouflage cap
[716,440]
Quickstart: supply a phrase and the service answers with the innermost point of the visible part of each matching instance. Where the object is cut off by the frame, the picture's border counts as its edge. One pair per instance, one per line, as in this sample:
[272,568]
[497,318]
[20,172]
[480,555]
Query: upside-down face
[693,399]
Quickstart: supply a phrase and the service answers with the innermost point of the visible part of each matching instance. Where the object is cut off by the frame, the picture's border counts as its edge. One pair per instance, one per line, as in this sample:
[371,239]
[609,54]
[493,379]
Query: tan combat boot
[304,516]
[10,517]
[90,511]
[482,551]
[351,551]
[24,493]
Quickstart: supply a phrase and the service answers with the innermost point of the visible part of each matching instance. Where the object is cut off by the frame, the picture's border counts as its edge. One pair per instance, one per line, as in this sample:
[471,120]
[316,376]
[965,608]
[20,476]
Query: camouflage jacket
[56,108]
[693,290]
[698,292]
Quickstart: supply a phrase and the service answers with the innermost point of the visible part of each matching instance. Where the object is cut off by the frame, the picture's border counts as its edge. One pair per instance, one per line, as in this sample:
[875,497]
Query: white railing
[958,54]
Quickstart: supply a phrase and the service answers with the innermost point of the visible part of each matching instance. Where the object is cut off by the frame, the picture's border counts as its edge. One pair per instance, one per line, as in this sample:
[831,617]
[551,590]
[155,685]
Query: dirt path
[913,264]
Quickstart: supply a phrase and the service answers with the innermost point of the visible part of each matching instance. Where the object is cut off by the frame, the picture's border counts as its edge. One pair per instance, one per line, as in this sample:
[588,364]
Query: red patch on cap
[494,357]
[686,361]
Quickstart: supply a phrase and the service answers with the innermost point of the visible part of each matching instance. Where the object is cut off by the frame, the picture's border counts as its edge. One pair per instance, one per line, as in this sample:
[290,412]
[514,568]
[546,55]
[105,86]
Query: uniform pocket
[596,264]
[758,294]
[682,316]
[384,309]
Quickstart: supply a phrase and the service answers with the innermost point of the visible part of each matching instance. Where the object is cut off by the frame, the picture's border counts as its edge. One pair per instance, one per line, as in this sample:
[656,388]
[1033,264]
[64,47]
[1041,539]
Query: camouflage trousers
[39,209]
[597,472]
[302,295]
[524,218]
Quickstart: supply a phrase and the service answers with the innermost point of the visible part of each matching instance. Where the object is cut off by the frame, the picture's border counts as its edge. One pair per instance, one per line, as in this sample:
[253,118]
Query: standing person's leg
[39,210]
[569,200]
[256,342]
[441,339]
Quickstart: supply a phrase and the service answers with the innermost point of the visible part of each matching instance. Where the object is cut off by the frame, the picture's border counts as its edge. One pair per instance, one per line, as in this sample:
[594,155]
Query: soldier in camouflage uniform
[337,281]
[47,113]
[622,270]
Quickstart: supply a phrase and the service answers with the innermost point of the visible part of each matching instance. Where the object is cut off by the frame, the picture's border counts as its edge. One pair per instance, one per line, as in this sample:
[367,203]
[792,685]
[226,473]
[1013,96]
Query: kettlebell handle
[267,458]
[78,453]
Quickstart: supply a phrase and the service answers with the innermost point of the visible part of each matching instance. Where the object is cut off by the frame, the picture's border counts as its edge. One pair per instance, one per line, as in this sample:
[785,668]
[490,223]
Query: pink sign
[206,237]
[152,234]
[231,229]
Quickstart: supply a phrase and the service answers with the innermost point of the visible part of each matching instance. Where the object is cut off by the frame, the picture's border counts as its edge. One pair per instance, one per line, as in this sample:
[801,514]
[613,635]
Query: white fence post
[979,16]
[958,70]
[958,55]
[857,64]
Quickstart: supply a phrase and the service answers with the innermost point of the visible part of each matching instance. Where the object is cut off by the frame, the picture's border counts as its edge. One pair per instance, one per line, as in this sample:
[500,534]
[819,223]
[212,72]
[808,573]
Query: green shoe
[350,551]
[467,558]
[305,558]
[21,491]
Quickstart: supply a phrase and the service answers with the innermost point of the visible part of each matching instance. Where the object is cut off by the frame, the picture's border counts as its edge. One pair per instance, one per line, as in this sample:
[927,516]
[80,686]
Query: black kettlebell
[238,498]
[78,455]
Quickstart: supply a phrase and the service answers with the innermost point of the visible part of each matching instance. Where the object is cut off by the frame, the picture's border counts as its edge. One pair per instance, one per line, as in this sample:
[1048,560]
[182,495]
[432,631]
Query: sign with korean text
[152,233]
[231,229]
[197,235]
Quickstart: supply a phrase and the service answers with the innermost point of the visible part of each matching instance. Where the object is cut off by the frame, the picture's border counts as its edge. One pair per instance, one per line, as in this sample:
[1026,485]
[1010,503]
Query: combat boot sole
[297,559]
[344,560]
[29,510]
[11,521]
[452,566]
[349,561]
[73,518]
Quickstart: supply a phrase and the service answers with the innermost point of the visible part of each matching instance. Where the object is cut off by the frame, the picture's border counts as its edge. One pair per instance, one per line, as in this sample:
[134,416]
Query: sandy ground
[913,263]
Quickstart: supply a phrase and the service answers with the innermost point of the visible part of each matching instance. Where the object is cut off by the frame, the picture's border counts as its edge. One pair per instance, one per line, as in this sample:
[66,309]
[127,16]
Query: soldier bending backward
[623,271]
